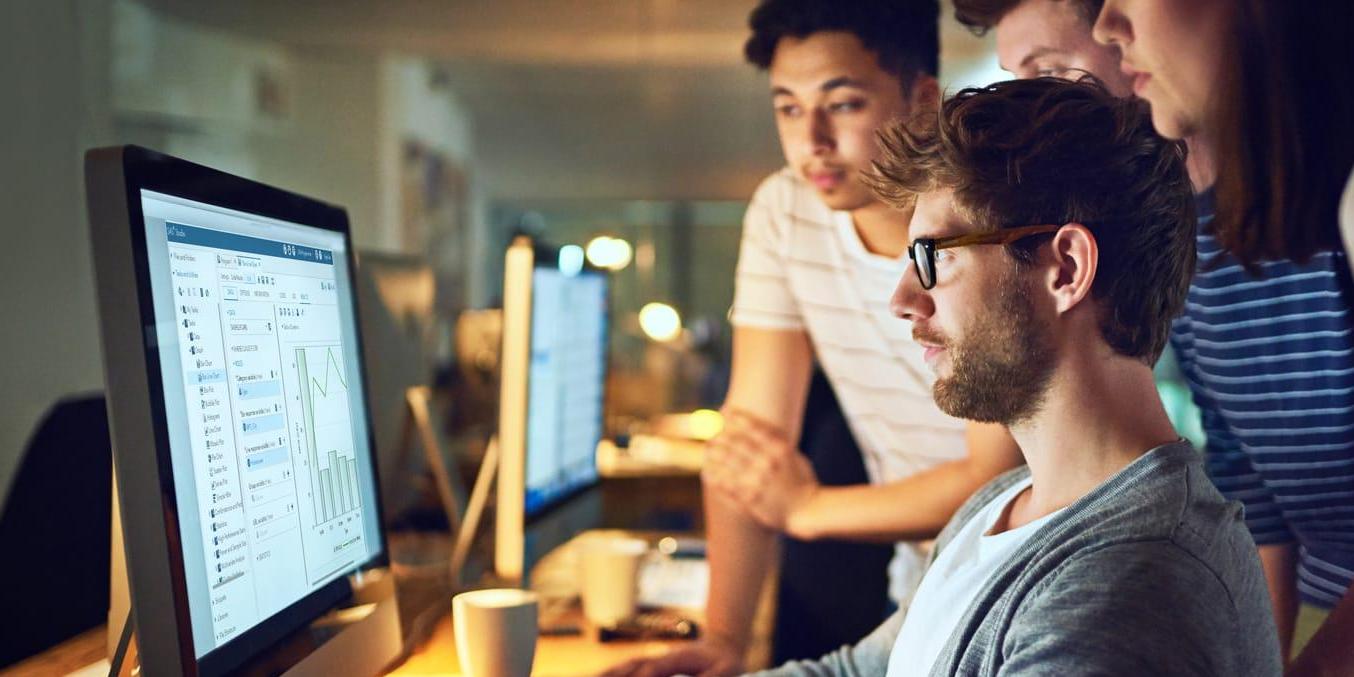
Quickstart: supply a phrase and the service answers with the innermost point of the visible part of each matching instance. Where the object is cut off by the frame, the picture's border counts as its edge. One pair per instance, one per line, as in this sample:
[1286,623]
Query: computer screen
[271,459]
[565,380]
[551,398]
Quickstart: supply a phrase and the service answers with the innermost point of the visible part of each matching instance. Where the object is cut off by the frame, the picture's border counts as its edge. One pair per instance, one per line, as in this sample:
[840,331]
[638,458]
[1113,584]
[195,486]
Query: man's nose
[1111,27]
[910,301]
[820,137]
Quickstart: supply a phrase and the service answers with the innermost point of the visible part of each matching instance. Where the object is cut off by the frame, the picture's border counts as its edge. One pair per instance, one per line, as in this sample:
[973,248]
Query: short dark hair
[981,16]
[1049,150]
[1281,131]
[903,34]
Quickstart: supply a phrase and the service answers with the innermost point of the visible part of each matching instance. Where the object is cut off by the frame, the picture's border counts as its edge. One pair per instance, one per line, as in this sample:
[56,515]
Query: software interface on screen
[268,439]
[565,383]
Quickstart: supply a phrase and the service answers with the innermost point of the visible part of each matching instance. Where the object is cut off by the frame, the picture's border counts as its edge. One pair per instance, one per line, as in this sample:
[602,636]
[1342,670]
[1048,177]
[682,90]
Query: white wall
[63,92]
[330,147]
[49,339]
[420,105]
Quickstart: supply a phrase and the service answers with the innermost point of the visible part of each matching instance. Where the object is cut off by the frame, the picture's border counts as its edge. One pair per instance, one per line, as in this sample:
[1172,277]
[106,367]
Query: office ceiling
[629,99]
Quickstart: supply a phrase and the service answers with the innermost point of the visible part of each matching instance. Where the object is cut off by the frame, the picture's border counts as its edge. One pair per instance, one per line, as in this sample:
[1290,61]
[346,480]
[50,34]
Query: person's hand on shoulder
[703,658]
[754,466]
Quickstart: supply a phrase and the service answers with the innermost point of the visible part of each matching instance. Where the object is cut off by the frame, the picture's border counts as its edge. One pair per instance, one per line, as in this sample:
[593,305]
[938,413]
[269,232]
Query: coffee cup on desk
[609,568]
[495,632]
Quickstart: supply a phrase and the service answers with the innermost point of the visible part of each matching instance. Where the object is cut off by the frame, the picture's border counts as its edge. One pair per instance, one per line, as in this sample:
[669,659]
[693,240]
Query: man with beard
[1265,349]
[1052,243]
[819,256]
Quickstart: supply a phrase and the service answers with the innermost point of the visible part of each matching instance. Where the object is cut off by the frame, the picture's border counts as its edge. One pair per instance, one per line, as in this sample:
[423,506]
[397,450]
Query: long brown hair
[1283,128]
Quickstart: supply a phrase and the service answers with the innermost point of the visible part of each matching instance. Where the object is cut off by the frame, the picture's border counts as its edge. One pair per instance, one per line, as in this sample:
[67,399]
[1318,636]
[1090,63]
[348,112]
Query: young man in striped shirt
[819,259]
[1269,358]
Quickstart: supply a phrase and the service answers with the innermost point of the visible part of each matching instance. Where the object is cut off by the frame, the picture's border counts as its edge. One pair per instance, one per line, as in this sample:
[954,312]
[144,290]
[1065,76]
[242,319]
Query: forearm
[1280,562]
[1328,652]
[769,379]
[914,508]
[869,656]
[739,552]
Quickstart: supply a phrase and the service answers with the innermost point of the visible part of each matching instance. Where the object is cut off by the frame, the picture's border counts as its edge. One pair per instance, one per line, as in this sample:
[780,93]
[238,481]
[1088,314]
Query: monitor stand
[369,624]
[474,512]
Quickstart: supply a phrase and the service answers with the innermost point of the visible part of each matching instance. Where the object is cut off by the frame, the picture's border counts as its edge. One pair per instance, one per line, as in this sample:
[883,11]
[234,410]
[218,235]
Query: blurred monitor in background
[554,364]
[407,288]
[396,296]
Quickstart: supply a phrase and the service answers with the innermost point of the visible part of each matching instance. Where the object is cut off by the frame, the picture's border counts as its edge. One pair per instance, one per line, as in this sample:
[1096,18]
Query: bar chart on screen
[326,420]
[317,375]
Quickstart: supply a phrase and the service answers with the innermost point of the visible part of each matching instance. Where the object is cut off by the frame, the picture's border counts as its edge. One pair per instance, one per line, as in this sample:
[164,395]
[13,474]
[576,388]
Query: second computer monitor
[552,396]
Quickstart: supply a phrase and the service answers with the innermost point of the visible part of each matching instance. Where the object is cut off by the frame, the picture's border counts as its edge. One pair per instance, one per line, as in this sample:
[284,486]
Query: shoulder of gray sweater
[1164,499]
[1165,494]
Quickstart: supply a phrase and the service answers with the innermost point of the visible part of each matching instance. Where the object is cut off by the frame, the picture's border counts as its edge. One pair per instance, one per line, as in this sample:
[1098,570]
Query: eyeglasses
[923,249]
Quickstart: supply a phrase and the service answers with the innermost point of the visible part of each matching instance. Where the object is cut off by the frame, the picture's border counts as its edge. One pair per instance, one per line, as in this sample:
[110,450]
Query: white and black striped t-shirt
[802,266]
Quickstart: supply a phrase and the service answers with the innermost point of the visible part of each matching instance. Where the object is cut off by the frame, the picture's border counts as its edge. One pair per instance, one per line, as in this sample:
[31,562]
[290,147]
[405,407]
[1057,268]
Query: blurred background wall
[443,127]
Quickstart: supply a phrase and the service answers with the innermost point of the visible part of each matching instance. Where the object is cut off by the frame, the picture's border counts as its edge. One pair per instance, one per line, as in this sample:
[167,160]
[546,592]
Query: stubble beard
[1001,367]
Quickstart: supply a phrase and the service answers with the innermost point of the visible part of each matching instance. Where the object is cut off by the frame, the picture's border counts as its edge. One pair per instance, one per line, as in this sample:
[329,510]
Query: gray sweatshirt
[1152,573]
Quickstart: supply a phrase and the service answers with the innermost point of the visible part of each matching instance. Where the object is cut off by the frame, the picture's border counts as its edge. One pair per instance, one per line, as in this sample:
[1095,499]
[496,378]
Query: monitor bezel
[144,169]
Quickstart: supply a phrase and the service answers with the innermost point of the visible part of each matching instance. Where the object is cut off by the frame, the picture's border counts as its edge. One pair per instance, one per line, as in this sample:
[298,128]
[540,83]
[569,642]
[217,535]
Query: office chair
[55,531]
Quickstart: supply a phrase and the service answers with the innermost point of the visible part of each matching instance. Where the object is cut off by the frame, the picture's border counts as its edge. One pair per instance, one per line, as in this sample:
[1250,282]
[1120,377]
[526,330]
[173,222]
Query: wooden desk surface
[67,657]
[556,656]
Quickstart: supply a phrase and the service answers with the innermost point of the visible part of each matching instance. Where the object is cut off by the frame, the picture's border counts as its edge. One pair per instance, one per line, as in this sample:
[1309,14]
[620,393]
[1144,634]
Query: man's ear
[924,96]
[1076,256]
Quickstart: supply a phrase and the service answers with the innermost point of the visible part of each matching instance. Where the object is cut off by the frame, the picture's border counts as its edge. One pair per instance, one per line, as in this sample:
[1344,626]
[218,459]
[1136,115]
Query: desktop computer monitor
[243,454]
[551,403]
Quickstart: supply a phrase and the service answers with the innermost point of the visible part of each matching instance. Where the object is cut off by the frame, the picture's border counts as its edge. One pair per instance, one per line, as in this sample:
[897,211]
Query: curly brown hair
[1048,150]
[903,34]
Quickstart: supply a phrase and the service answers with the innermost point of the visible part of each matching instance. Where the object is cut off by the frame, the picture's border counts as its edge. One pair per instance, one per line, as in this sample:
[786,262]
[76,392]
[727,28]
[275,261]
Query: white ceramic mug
[609,567]
[495,632]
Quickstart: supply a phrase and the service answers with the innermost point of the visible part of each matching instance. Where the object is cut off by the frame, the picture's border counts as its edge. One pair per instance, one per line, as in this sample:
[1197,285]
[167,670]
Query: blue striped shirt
[1270,362]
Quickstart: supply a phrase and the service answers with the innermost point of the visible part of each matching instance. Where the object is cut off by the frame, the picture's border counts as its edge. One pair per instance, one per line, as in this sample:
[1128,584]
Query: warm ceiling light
[660,322]
[608,252]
